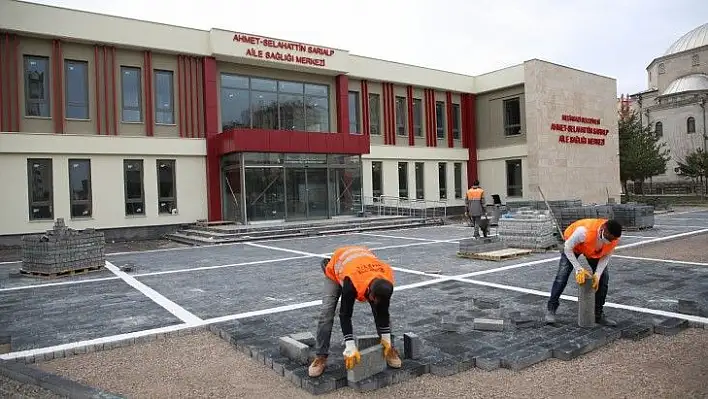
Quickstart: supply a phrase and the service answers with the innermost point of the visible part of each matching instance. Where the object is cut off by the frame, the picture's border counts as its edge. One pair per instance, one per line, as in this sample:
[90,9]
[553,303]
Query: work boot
[392,359]
[604,321]
[550,316]
[317,367]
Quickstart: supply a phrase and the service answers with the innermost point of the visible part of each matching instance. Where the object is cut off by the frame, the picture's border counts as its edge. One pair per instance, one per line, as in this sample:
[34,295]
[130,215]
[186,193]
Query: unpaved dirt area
[690,249]
[203,365]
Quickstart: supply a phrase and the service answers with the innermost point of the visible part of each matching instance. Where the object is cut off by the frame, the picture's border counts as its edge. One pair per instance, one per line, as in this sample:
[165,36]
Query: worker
[474,207]
[596,239]
[355,274]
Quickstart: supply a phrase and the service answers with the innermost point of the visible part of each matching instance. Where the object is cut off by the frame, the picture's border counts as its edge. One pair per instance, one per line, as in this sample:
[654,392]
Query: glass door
[296,193]
[265,199]
[231,191]
[317,201]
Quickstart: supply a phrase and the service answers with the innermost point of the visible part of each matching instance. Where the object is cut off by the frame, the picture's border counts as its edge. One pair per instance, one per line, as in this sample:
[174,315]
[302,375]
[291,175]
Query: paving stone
[488,324]
[488,362]
[524,358]
[690,307]
[586,305]
[444,368]
[486,303]
[290,373]
[294,350]
[670,326]
[450,323]
[367,341]
[412,346]
[320,385]
[306,338]
[572,349]
[372,362]
[637,332]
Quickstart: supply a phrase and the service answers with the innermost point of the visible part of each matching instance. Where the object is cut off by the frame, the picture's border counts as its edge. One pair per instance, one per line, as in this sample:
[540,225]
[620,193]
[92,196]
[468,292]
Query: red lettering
[241,38]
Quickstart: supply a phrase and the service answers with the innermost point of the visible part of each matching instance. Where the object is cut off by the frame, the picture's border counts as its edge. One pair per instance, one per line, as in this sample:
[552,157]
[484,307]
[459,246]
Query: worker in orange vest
[474,207]
[596,239]
[355,274]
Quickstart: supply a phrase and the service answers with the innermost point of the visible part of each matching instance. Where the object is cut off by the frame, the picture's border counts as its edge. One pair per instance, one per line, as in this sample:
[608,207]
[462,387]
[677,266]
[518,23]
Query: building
[674,103]
[117,123]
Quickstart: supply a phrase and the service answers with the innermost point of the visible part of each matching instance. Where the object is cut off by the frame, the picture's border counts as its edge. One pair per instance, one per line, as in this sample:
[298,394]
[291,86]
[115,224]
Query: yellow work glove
[351,355]
[595,281]
[386,343]
[581,275]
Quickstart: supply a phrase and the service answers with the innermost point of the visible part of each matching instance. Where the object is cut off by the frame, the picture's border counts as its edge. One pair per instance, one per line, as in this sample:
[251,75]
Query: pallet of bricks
[634,216]
[528,229]
[63,251]
[567,216]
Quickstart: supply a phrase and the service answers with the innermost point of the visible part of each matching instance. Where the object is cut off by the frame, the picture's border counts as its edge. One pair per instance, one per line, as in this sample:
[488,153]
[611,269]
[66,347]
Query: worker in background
[475,207]
[355,274]
[596,239]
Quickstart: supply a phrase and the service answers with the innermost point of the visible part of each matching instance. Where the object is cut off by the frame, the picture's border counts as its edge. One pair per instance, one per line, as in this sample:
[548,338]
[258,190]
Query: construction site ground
[256,292]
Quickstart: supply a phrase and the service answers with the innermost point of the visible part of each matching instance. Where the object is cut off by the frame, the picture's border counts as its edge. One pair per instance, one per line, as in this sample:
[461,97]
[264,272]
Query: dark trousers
[565,268]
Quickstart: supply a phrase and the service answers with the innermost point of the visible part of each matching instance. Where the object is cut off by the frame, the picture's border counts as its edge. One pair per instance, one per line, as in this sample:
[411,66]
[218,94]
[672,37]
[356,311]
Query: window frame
[440,120]
[511,187]
[417,117]
[456,122]
[375,118]
[420,185]
[354,120]
[403,183]
[380,180]
[67,86]
[46,83]
[73,201]
[159,110]
[123,107]
[659,129]
[401,116]
[510,127]
[48,163]
[442,180]
[457,169]
[690,125]
[127,200]
[173,199]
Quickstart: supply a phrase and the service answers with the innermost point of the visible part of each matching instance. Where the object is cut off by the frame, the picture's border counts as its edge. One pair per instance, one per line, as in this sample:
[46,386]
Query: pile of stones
[528,229]
[556,205]
[569,215]
[634,216]
[63,250]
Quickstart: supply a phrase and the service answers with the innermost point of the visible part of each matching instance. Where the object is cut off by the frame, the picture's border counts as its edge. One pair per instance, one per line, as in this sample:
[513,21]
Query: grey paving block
[690,307]
[637,332]
[525,357]
[450,323]
[294,350]
[488,324]
[306,338]
[486,303]
[444,368]
[372,362]
[320,385]
[586,305]
[489,362]
[670,326]
[367,341]
[412,346]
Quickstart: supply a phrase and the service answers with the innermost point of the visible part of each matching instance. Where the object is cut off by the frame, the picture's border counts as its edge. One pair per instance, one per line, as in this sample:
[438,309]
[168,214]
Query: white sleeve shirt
[576,238]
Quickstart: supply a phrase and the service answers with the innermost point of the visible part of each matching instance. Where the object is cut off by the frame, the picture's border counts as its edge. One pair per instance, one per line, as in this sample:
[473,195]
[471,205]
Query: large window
[690,125]
[40,187]
[514,184]
[80,187]
[417,117]
[456,121]
[77,92]
[512,117]
[374,114]
[134,190]
[659,129]
[458,180]
[401,116]
[270,104]
[164,98]
[440,119]
[442,179]
[131,94]
[354,112]
[403,179]
[419,180]
[37,92]
[166,186]
[376,178]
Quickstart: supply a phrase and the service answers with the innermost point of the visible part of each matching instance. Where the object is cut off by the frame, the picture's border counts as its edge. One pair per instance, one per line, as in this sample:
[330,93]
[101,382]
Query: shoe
[604,321]
[393,360]
[317,367]
[550,317]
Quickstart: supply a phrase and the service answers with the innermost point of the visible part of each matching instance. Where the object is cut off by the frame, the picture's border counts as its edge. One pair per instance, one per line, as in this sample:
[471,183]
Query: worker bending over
[596,239]
[355,274]
[474,206]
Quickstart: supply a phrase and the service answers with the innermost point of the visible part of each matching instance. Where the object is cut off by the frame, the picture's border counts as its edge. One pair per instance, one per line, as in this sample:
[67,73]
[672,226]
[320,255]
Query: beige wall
[107,183]
[570,170]
[490,118]
[492,173]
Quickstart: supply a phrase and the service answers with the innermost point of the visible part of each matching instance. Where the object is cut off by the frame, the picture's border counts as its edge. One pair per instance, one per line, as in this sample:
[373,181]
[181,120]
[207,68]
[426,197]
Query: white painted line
[659,239]
[510,267]
[678,262]
[292,251]
[325,255]
[72,282]
[10,262]
[679,227]
[156,297]
[409,238]
[201,268]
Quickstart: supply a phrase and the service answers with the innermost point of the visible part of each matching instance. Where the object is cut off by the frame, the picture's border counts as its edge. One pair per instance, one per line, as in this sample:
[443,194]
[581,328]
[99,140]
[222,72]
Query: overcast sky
[616,38]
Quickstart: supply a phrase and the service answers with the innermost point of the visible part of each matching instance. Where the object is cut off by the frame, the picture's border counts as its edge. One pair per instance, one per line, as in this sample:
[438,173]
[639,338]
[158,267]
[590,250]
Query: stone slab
[488,324]
[524,358]
[412,346]
[372,362]
[306,338]
[690,307]
[294,350]
[670,326]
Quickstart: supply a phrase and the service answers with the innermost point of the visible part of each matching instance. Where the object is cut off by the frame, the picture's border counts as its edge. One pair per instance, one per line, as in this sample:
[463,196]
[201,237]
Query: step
[296,225]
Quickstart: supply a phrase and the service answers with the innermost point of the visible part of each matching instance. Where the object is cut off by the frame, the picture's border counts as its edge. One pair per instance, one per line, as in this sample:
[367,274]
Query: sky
[616,38]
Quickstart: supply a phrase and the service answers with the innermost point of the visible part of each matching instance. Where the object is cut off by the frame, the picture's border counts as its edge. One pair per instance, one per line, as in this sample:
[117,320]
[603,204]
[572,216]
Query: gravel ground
[12,389]
[690,249]
[203,365]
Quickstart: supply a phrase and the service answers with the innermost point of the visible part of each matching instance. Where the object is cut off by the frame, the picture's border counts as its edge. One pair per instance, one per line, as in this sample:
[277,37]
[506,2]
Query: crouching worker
[596,239]
[355,274]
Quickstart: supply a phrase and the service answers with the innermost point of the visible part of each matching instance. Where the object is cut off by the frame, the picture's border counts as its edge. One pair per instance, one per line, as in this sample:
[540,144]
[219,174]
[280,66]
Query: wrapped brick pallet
[528,229]
[634,217]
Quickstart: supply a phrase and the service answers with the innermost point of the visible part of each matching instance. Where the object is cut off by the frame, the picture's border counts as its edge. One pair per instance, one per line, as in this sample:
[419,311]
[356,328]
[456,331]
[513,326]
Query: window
[458,180]
[76,75]
[40,187]
[37,90]
[80,187]
[442,179]
[662,68]
[659,129]
[131,94]
[514,184]
[354,112]
[419,180]
[374,114]
[695,61]
[512,117]
[440,119]
[134,190]
[403,180]
[256,103]
[164,98]
[401,119]
[456,121]
[166,186]
[690,125]
[376,178]
[417,117]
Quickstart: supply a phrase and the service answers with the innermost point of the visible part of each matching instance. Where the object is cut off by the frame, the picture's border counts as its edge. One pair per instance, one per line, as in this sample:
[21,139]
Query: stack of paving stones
[477,245]
[556,205]
[63,250]
[634,216]
[528,229]
[569,215]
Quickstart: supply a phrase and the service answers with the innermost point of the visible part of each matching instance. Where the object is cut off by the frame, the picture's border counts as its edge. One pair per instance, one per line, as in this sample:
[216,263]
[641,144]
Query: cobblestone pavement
[272,289]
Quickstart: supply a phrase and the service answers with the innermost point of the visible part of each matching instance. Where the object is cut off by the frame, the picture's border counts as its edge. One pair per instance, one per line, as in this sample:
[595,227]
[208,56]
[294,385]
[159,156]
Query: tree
[642,154]
[694,165]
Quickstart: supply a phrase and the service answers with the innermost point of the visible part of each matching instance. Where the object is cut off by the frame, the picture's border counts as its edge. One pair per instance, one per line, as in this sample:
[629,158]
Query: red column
[411,133]
[342,101]
[469,134]
[211,127]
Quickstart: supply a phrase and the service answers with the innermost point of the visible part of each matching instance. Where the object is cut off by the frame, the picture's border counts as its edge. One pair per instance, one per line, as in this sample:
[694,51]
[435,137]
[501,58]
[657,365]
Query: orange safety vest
[475,194]
[360,265]
[589,246]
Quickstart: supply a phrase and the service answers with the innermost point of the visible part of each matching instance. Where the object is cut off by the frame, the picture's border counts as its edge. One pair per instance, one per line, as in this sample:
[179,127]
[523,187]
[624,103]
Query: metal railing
[385,205]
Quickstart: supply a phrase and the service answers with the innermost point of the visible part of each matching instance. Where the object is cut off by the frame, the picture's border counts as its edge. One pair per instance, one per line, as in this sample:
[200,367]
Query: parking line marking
[678,262]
